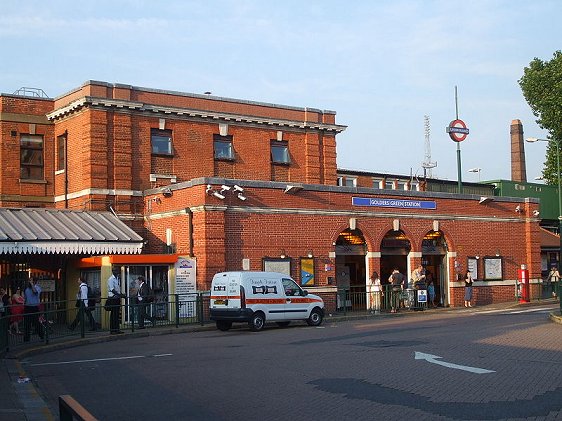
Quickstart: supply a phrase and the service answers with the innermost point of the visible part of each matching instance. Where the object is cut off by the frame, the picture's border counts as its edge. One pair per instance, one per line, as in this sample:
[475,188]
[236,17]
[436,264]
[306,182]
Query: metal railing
[62,319]
[349,301]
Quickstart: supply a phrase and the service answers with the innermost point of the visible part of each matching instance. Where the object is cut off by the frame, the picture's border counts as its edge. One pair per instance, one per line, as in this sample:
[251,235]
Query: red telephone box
[523,285]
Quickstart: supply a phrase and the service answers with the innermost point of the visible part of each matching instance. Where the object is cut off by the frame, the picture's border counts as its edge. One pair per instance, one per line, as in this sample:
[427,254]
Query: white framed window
[280,152]
[378,183]
[161,141]
[223,147]
[351,181]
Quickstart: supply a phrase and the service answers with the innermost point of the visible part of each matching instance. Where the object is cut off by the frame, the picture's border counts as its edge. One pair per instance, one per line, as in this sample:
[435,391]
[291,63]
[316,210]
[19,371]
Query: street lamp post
[478,170]
[557,144]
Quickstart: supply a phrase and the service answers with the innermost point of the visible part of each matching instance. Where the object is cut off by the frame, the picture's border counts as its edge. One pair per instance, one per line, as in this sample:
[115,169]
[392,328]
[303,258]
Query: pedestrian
[418,277]
[16,310]
[397,280]
[144,296]
[32,299]
[375,292]
[4,312]
[113,303]
[83,306]
[553,279]
[468,289]
[431,293]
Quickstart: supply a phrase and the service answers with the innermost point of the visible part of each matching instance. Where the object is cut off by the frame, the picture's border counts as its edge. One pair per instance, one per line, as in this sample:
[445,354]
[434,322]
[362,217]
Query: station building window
[61,153]
[280,152]
[351,182]
[161,141]
[222,146]
[31,157]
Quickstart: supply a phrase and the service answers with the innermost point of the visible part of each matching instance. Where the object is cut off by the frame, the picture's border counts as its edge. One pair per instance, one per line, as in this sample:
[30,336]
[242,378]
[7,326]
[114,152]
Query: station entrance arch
[395,248]
[434,251]
[351,252]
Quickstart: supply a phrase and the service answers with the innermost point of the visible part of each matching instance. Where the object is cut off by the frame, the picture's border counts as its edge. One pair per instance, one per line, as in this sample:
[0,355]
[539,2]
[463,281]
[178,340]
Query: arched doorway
[434,250]
[395,248]
[351,251]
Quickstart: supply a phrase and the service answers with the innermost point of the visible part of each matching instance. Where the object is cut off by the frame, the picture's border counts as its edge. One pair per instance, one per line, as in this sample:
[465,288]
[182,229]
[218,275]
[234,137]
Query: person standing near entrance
[396,279]
[418,277]
[143,299]
[114,298]
[431,293]
[32,298]
[468,289]
[375,292]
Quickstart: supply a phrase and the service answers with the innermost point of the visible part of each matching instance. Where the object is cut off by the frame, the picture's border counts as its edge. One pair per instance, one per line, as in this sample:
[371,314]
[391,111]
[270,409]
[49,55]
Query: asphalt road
[464,365]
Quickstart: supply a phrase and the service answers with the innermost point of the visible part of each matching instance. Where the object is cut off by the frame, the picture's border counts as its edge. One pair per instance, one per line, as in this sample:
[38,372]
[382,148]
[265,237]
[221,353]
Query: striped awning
[56,231]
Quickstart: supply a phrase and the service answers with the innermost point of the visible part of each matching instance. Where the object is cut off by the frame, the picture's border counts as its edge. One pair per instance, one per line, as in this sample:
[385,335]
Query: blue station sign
[394,203]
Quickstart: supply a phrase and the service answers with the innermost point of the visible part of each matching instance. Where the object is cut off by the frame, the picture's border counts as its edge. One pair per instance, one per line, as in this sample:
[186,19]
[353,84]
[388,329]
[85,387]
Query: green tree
[541,84]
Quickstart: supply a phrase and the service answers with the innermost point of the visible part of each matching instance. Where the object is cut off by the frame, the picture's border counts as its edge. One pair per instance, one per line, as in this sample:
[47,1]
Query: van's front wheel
[223,325]
[315,318]
[257,322]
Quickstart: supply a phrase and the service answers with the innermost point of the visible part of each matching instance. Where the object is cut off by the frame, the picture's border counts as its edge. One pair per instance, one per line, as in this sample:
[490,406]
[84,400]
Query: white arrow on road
[434,360]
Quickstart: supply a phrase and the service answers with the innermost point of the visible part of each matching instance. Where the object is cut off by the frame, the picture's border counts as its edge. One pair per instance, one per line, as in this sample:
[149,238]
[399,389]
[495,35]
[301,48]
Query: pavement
[21,401]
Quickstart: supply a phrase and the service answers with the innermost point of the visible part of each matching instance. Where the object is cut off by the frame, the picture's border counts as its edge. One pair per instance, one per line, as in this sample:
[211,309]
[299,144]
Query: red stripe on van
[265,301]
[222,297]
[304,300]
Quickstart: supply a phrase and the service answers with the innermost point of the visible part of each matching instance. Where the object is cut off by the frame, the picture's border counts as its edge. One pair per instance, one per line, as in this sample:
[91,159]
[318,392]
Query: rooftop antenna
[427,165]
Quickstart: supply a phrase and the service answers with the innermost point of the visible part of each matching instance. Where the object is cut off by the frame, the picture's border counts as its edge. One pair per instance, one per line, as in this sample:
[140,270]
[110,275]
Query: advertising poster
[307,272]
[186,286]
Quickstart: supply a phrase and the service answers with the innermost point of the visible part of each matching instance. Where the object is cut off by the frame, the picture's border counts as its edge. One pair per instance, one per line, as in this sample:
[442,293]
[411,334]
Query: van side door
[266,294]
[297,305]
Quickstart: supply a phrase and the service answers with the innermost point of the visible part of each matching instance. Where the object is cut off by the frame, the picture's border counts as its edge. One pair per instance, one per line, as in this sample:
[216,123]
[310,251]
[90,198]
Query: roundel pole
[458,132]
[459,166]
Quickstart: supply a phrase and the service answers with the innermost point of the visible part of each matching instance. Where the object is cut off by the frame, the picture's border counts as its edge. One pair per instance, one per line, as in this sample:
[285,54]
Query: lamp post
[557,144]
[476,170]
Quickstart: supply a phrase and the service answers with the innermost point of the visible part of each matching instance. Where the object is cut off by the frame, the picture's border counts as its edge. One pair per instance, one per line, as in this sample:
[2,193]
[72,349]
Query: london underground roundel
[457,130]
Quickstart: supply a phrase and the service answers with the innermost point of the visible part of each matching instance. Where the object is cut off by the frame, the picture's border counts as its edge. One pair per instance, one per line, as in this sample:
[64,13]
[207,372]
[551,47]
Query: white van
[257,297]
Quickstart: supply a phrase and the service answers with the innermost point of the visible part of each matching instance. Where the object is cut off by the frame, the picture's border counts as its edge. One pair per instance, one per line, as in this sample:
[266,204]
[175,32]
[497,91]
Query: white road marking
[100,359]
[507,311]
[531,310]
[434,360]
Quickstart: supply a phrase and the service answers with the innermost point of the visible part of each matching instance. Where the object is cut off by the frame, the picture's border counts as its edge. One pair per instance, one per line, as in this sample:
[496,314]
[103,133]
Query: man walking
[84,306]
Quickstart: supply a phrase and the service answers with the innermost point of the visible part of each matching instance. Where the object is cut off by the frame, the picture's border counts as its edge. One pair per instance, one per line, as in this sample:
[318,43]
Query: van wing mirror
[305,292]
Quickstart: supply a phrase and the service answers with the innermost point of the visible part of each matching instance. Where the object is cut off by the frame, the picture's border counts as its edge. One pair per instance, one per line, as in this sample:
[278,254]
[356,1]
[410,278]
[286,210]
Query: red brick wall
[23,116]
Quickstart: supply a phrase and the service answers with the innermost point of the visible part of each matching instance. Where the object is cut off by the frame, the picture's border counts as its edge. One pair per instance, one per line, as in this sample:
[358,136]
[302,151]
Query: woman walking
[468,289]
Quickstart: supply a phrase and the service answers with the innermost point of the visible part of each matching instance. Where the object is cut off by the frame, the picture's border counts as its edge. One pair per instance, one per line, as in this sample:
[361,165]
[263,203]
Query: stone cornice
[227,118]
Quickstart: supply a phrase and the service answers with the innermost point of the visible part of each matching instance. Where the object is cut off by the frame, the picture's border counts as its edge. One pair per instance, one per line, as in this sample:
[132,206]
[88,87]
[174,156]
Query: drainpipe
[66,169]
[190,229]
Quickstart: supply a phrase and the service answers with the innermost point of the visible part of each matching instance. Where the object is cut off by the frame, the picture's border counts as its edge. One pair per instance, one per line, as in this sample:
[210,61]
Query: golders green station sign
[394,203]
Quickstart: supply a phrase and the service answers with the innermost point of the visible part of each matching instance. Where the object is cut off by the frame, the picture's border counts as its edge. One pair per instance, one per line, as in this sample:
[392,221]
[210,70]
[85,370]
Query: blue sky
[381,65]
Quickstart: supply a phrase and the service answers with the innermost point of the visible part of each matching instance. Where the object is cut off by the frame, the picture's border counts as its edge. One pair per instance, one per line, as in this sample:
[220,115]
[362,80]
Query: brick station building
[242,185]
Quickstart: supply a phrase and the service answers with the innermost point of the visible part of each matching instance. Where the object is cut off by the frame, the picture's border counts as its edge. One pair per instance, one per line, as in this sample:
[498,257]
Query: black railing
[62,319]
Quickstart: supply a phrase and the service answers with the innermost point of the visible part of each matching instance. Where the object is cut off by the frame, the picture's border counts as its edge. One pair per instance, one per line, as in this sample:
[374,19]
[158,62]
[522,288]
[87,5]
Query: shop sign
[394,203]
[186,286]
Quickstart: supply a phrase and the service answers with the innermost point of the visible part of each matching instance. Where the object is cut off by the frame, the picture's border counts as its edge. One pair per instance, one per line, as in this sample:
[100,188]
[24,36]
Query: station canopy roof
[57,231]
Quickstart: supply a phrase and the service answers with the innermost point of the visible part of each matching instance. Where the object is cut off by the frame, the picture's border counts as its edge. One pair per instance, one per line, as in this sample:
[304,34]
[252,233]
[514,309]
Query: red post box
[523,285]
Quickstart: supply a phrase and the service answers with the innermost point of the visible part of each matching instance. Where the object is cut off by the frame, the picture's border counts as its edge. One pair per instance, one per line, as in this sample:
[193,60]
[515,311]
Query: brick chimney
[518,168]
